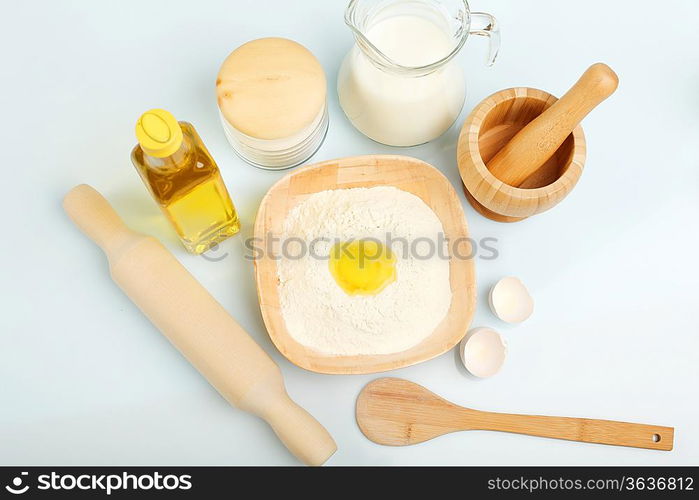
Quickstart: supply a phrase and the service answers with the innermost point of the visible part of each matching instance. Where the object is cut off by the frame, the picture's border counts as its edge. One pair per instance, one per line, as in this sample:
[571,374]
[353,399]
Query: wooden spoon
[397,412]
[532,146]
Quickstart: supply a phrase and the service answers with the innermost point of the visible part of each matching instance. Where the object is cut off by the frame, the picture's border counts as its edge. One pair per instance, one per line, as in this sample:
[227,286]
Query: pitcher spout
[451,17]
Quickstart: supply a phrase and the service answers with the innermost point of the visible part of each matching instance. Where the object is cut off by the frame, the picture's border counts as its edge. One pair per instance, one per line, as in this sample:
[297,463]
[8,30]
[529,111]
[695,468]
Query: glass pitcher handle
[483,24]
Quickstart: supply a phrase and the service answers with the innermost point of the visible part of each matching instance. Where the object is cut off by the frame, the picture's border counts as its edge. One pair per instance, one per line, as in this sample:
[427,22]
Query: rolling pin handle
[302,434]
[95,217]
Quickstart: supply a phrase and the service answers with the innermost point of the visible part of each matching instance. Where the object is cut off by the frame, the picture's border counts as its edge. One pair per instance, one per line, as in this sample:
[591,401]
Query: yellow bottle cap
[158,133]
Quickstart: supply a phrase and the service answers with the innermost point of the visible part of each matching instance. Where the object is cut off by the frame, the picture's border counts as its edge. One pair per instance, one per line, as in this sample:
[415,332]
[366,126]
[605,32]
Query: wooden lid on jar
[271,88]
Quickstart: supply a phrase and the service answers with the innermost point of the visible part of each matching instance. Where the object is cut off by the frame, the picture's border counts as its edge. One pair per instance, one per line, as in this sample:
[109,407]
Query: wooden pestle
[532,146]
[197,325]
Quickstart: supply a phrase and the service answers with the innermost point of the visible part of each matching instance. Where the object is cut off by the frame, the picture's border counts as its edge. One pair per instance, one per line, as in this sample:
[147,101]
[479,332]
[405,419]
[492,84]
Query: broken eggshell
[510,301]
[483,352]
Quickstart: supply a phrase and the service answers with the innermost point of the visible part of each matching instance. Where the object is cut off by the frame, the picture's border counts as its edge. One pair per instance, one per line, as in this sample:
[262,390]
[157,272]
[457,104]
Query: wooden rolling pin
[397,412]
[198,325]
[532,146]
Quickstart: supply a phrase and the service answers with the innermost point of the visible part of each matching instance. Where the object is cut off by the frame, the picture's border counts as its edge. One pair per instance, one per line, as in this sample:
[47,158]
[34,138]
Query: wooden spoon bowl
[489,127]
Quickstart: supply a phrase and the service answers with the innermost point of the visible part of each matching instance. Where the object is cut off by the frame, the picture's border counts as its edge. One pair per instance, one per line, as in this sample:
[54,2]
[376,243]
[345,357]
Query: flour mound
[320,315]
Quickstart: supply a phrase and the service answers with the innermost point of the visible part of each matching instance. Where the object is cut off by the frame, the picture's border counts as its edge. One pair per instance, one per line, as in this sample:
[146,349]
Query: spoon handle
[587,430]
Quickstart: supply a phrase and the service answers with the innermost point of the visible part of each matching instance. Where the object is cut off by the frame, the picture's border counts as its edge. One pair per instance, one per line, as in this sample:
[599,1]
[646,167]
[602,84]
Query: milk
[393,107]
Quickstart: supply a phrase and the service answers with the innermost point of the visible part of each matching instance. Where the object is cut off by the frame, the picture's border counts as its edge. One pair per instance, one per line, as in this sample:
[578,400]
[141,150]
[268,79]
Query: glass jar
[272,96]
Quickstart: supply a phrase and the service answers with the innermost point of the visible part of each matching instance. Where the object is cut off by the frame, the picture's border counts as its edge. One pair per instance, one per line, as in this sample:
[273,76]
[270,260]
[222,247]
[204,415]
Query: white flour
[320,315]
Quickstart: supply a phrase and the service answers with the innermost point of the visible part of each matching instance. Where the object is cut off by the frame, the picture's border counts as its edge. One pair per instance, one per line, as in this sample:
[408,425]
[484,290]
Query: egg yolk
[362,267]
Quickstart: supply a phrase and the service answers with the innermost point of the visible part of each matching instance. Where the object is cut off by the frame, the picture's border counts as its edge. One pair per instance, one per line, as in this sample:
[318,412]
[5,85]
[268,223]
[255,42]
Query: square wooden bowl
[402,172]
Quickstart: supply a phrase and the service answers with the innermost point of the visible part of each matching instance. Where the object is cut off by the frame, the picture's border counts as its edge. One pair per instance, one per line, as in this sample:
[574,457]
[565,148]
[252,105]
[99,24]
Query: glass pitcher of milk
[399,84]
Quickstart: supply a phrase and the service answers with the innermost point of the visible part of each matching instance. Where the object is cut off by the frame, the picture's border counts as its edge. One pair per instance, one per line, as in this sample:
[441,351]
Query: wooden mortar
[532,144]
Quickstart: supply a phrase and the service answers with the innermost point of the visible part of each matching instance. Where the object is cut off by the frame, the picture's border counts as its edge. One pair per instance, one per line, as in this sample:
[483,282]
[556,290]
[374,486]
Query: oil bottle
[184,180]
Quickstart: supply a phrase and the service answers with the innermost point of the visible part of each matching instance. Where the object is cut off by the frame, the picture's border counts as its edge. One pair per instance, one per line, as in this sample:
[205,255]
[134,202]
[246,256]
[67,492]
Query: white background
[85,379]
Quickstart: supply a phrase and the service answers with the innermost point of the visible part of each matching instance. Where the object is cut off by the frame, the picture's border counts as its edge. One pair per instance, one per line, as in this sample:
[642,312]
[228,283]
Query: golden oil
[184,180]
